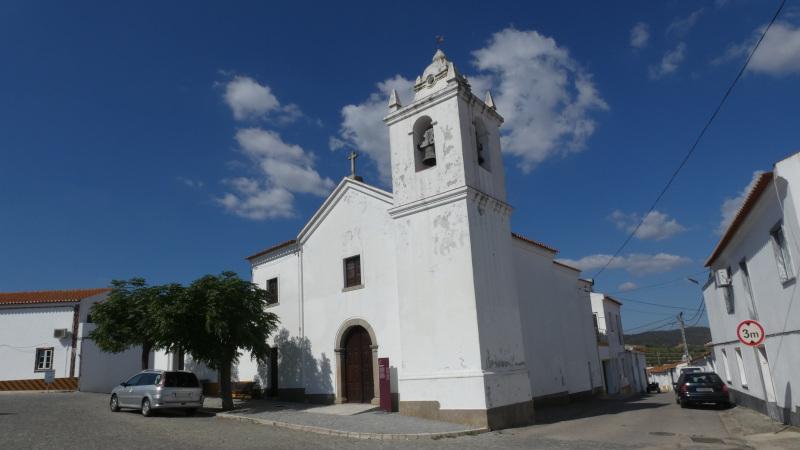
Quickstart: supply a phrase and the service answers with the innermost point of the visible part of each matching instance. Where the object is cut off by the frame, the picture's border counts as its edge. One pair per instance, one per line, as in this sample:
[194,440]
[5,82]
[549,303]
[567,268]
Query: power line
[648,324]
[694,145]
[665,283]
[652,304]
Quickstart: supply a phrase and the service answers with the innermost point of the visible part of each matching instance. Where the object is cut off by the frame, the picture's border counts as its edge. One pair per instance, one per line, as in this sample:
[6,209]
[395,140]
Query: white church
[479,324]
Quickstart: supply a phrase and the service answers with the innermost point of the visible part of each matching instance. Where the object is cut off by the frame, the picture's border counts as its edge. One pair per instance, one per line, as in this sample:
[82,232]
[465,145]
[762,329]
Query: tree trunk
[146,347]
[225,386]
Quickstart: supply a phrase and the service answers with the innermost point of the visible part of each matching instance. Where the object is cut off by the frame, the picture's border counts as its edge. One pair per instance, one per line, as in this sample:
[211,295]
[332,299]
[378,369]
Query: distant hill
[695,337]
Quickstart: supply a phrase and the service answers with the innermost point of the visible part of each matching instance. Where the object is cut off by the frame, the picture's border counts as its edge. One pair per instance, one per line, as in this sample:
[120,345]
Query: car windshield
[703,378]
[180,379]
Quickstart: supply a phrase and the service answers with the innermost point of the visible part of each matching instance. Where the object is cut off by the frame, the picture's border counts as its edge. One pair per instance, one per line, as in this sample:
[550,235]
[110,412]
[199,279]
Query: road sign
[750,333]
[50,376]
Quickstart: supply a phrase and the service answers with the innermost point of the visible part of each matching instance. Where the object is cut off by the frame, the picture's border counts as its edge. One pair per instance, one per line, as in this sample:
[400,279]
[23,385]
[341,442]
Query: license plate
[705,389]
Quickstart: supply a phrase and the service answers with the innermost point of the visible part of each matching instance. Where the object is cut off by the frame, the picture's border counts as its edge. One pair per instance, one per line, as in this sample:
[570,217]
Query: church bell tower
[462,350]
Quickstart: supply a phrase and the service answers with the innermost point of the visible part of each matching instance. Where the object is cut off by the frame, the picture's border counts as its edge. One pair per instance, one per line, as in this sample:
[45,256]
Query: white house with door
[42,333]
[478,323]
[753,276]
[618,363]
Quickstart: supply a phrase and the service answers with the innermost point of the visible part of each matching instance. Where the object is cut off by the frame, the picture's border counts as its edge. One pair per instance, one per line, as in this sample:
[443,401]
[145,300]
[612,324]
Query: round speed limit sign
[750,333]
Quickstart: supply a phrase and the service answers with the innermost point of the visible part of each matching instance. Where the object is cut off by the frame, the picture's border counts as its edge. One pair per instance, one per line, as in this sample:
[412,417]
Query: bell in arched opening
[428,148]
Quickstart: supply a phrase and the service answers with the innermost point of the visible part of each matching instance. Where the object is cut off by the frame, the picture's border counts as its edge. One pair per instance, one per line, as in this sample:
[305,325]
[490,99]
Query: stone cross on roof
[352,157]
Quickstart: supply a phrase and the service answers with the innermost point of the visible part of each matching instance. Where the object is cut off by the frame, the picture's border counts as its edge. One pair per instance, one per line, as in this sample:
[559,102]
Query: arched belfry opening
[424,144]
[482,151]
[356,363]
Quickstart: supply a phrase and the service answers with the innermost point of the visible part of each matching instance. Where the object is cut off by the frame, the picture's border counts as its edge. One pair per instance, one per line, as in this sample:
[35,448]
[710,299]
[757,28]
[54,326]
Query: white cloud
[656,225]
[634,263]
[778,54]
[670,62]
[189,182]
[640,35]
[544,95]
[249,100]
[627,286]
[681,26]
[253,200]
[730,206]
[283,170]
[362,124]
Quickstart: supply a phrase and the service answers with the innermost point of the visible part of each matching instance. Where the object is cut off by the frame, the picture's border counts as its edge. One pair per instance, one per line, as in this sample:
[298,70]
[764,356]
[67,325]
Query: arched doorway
[358,380]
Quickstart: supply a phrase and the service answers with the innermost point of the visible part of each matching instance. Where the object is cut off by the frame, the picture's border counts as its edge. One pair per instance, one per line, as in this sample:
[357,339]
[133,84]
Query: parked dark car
[701,387]
[653,387]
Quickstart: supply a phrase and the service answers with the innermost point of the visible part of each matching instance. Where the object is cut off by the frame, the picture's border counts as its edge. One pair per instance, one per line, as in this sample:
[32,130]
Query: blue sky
[170,140]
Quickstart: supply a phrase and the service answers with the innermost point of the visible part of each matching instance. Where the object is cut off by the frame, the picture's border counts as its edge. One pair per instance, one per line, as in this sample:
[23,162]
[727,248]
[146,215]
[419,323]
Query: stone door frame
[339,349]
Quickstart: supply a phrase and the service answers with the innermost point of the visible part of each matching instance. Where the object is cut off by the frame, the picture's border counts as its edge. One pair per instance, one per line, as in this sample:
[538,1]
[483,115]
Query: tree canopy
[220,317]
[215,319]
[131,316]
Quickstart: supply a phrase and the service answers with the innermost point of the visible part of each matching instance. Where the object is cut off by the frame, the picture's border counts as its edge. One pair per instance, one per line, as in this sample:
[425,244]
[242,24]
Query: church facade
[479,324]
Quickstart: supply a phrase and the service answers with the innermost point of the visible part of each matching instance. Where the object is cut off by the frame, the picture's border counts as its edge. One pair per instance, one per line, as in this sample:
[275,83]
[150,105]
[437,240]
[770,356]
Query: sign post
[384,384]
[49,378]
[750,333]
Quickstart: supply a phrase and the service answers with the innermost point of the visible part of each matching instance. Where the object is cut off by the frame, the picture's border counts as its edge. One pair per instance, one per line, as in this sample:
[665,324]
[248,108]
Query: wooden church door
[358,367]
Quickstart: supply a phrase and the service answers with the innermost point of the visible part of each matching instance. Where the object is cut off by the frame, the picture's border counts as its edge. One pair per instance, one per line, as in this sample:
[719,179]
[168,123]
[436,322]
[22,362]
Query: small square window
[272,291]
[352,271]
[44,359]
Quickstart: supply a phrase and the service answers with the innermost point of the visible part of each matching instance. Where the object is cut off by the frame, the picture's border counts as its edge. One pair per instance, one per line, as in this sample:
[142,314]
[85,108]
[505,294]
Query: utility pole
[686,356]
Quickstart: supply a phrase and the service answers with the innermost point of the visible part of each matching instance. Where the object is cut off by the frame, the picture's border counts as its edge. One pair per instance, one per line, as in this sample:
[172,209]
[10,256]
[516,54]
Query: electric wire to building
[694,145]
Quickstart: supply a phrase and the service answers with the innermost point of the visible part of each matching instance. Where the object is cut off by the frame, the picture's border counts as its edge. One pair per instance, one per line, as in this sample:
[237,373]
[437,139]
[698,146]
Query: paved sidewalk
[345,420]
[760,431]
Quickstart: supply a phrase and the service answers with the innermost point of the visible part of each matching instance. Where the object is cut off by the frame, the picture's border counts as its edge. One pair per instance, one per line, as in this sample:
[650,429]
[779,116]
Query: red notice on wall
[384,384]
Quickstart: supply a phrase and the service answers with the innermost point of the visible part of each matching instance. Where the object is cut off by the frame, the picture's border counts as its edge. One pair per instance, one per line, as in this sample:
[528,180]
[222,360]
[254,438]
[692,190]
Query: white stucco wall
[23,329]
[773,302]
[556,321]
[313,307]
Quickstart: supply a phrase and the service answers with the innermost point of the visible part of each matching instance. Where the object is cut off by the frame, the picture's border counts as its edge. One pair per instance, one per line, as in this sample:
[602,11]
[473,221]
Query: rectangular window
[352,271]
[748,287]
[766,373]
[782,256]
[740,363]
[44,359]
[727,293]
[619,327]
[727,367]
[596,328]
[272,291]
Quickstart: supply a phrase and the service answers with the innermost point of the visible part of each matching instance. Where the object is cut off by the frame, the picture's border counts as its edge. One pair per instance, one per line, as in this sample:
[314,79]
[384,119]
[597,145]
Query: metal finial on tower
[439,41]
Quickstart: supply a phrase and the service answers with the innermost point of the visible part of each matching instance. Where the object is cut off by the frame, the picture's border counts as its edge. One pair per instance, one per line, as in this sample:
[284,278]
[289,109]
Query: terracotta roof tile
[31,297]
[272,249]
[536,243]
[559,263]
[748,204]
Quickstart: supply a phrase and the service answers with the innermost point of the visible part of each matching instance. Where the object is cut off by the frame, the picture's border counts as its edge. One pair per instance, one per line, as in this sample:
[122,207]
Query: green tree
[217,318]
[132,316]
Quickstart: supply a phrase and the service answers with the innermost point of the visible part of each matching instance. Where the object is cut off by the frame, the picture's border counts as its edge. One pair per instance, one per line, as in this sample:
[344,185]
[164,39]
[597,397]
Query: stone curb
[354,434]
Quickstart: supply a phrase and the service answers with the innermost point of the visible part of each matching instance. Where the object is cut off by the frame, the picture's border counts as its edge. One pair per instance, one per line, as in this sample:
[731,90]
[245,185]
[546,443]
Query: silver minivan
[150,390]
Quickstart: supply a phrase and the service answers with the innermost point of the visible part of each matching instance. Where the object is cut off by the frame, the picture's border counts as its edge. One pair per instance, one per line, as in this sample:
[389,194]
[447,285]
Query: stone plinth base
[514,415]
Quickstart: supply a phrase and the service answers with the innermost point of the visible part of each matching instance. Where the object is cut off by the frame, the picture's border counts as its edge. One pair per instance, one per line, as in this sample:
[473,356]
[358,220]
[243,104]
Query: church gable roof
[344,186]
[327,206]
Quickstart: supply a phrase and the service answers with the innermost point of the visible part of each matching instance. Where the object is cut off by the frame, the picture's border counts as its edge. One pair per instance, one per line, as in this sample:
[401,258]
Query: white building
[623,367]
[477,323]
[43,331]
[754,276]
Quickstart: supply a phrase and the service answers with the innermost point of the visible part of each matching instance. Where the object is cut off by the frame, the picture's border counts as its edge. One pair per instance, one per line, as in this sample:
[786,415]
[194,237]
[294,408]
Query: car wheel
[683,403]
[146,410]
[677,401]
[191,411]
[114,403]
